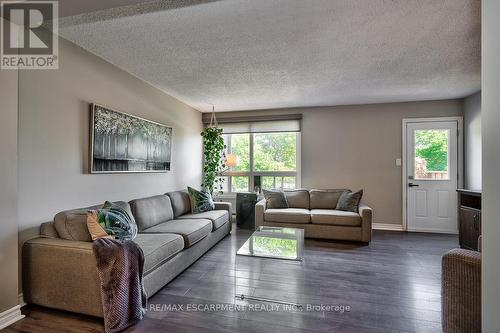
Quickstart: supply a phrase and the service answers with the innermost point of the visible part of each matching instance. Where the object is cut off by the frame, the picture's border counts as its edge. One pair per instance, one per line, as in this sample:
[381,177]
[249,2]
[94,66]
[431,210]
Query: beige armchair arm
[260,209]
[366,222]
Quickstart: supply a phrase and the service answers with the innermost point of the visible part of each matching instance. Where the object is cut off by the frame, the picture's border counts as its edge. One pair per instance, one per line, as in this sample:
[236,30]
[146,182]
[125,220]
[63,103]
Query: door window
[432,154]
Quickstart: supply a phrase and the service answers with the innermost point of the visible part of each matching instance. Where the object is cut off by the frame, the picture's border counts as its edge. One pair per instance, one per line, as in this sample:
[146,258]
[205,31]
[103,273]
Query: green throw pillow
[113,220]
[201,201]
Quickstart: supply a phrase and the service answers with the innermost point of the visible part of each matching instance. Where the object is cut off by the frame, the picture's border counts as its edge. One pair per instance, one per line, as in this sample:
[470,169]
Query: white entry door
[432,149]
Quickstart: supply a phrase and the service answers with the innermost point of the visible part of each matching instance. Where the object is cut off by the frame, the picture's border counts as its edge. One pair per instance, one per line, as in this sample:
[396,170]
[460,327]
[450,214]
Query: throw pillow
[95,229]
[201,201]
[275,199]
[349,201]
[111,221]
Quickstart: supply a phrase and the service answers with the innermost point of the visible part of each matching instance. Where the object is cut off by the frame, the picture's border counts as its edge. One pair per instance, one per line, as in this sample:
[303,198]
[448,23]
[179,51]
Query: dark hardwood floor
[391,285]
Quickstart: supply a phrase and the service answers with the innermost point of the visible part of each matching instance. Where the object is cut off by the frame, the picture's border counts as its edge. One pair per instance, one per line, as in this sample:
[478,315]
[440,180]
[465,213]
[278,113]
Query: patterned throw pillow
[275,199]
[201,201]
[349,201]
[111,221]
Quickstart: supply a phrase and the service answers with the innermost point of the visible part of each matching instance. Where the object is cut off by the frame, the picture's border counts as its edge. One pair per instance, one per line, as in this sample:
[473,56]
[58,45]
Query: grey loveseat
[314,211]
[59,267]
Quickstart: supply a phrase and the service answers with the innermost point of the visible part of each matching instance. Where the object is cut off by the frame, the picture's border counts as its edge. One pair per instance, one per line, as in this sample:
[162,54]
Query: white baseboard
[386,226]
[10,316]
[21,300]
[436,231]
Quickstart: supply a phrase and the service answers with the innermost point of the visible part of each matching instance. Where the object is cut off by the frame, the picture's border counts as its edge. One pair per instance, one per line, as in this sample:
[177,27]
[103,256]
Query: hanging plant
[214,158]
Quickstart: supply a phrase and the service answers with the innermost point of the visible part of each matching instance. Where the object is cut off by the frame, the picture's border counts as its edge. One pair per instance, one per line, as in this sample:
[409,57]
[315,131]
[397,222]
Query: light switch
[398,162]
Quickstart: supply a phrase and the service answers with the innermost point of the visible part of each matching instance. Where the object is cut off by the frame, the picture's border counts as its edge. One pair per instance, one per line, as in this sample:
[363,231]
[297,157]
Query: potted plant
[214,160]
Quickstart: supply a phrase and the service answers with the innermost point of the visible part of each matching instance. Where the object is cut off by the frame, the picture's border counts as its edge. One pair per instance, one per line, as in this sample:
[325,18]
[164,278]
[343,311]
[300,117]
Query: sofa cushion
[335,217]
[297,198]
[72,224]
[218,217]
[288,215]
[158,248]
[151,211]
[325,199]
[47,230]
[181,204]
[190,229]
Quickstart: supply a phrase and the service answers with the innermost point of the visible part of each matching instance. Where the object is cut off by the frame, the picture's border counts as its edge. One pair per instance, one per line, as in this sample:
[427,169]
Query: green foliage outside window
[275,152]
[432,146]
[239,184]
[240,146]
[271,152]
[270,182]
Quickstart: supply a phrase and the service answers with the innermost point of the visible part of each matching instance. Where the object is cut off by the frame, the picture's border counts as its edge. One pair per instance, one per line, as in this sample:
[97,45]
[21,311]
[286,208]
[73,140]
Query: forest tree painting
[124,143]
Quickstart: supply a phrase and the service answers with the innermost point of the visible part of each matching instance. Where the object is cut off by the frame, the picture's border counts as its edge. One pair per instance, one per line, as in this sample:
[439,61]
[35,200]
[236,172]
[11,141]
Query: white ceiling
[262,54]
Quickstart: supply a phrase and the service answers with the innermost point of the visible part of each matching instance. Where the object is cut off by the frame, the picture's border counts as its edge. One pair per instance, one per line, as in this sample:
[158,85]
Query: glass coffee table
[275,242]
[270,243]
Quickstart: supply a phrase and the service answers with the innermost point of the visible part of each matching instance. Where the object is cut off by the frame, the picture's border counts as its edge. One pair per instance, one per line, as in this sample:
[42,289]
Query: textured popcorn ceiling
[262,54]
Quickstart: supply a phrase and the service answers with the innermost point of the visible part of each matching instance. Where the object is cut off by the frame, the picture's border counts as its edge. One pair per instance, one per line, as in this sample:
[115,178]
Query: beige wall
[8,190]
[491,165]
[356,147]
[472,141]
[54,137]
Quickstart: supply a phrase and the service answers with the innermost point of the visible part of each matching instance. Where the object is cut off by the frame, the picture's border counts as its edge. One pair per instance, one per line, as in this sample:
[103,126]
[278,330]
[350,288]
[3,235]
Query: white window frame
[252,173]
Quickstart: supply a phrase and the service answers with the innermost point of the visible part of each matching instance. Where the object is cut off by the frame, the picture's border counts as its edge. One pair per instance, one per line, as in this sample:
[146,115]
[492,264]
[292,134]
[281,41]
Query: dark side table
[245,210]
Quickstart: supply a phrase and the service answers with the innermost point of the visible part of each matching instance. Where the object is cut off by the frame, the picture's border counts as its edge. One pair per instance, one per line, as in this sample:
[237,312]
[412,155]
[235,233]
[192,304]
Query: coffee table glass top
[275,242]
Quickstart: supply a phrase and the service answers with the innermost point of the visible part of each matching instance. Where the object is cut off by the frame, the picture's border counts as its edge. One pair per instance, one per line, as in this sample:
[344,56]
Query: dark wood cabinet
[469,218]
[245,210]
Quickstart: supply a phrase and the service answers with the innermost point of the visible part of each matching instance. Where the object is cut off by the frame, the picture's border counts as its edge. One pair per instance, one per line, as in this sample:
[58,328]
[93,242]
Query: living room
[316,107]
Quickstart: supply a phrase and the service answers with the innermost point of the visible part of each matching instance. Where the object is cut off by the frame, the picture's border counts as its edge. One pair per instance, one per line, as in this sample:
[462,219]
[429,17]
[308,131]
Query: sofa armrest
[366,222]
[225,206]
[260,209]
[461,291]
[61,274]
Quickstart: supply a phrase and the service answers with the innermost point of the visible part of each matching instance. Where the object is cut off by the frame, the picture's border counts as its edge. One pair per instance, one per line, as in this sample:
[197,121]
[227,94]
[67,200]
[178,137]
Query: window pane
[239,184]
[277,182]
[275,152]
[267,182]
[288,183]
[431,154]
[240,146]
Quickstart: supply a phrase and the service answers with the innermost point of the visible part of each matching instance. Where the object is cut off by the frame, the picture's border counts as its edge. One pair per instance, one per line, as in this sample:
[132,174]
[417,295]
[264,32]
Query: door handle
[412,185]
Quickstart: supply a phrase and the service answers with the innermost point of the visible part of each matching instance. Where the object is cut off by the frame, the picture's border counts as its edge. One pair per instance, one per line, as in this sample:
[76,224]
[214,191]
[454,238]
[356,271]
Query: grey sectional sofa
[59,267]
[314,211]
